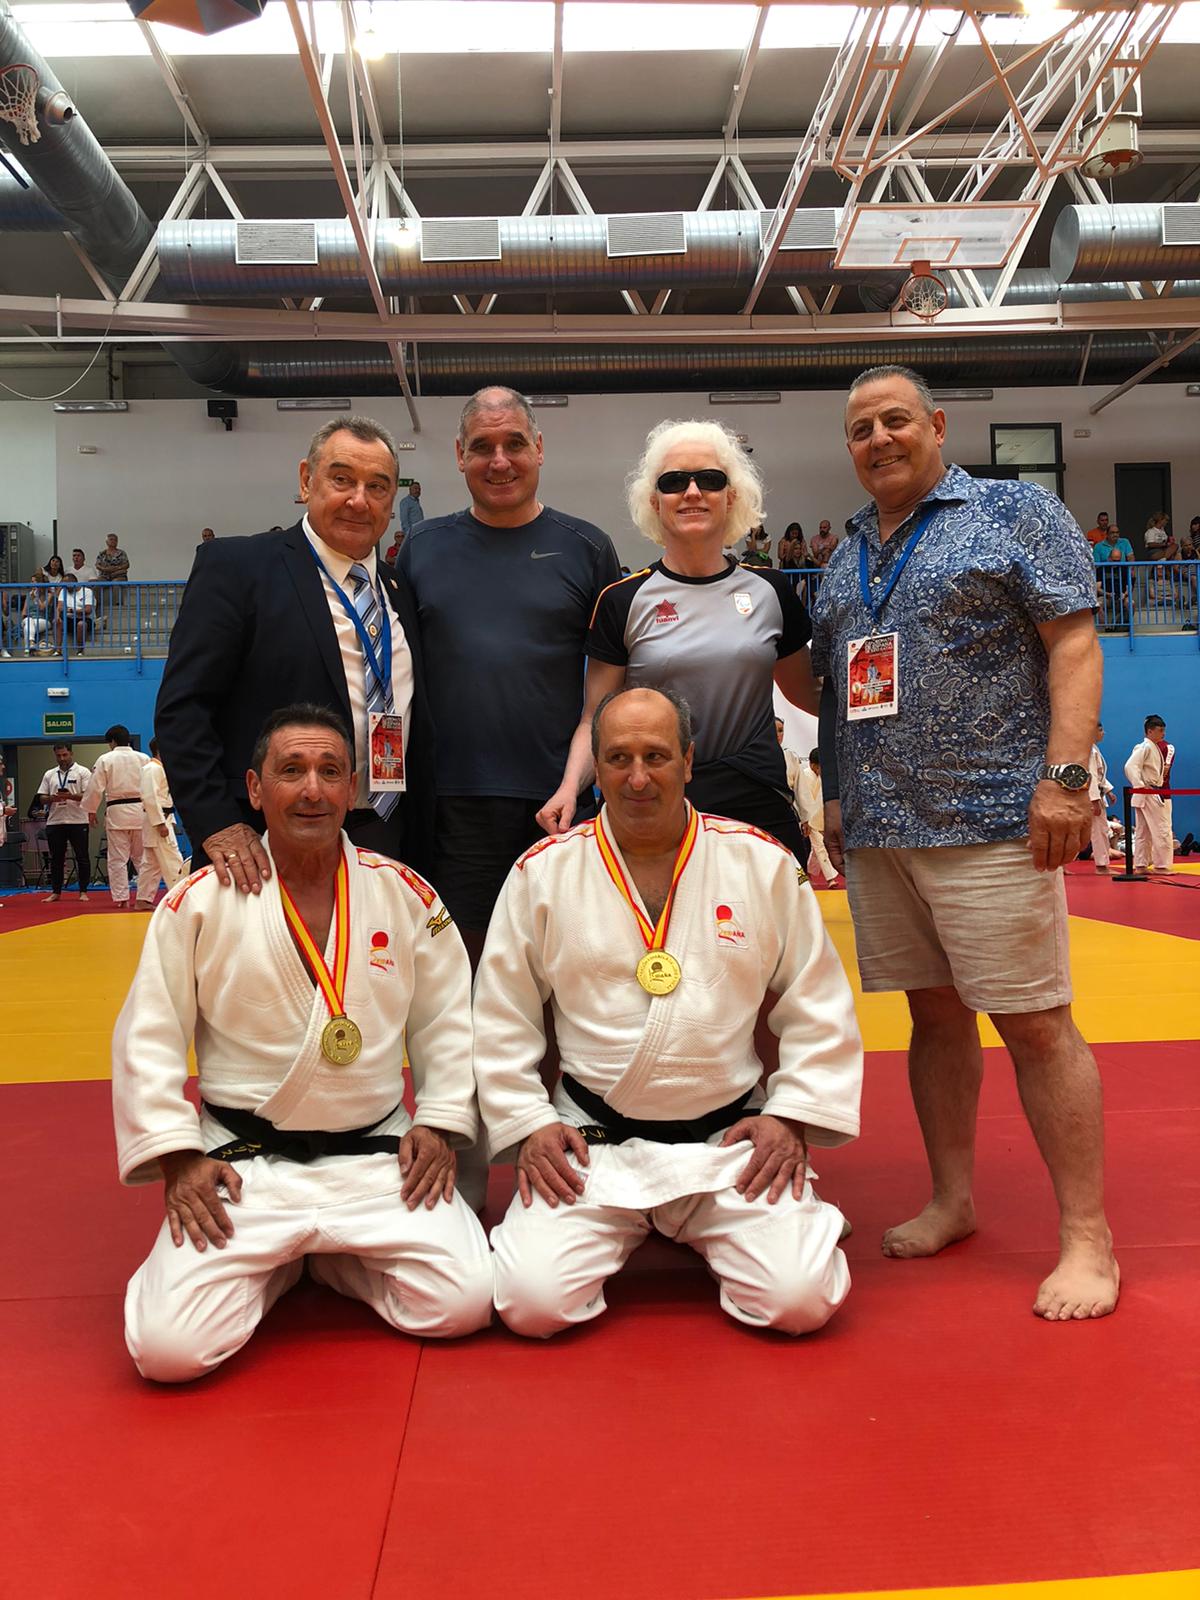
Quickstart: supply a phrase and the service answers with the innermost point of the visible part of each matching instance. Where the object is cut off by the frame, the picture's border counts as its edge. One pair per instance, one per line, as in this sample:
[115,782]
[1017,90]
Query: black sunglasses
[707,479]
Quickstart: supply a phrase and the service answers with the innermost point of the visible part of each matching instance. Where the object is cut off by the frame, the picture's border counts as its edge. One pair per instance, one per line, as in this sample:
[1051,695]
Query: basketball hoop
[18,100]
[924,295]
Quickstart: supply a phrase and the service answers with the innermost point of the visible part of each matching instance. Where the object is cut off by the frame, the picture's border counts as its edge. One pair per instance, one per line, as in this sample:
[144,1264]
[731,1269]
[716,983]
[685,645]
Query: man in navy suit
[306,614]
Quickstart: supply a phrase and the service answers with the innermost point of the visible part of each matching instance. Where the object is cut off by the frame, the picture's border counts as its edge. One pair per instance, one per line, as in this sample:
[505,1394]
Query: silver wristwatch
[1068,775]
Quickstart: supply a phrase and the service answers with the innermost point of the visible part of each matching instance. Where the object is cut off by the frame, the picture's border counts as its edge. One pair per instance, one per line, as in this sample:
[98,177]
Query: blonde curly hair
[744,478]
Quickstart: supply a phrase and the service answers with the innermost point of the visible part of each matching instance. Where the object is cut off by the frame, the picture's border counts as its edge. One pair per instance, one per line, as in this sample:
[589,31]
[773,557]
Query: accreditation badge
[873,676]
[385,733]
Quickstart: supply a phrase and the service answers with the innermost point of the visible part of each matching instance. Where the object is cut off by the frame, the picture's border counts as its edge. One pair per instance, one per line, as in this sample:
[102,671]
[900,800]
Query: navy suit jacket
[254,633]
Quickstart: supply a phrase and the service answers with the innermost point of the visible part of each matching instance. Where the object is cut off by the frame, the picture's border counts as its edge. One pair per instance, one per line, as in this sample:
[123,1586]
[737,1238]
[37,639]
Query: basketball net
[924,295]
[18,100]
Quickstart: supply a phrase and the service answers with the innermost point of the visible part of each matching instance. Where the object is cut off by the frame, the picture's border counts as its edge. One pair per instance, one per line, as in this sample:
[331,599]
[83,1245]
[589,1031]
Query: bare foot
[83,897]
[939,1224]
[50,899]
[1085,1284]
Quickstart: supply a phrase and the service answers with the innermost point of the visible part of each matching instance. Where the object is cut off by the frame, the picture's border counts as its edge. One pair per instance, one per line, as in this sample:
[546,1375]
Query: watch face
[1071,776]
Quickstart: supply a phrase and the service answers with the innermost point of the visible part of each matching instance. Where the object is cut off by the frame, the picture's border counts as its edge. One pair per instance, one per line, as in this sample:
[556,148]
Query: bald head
[643,744]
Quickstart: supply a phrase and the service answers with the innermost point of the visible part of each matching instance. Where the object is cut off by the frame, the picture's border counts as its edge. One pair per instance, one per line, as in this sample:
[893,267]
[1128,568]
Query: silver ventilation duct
[582,369]
[26,210]
[1135,243]
[1034,286]
[223,260]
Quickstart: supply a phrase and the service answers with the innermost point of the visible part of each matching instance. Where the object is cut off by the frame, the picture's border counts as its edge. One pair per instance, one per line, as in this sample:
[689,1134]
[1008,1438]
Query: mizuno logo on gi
[437,923]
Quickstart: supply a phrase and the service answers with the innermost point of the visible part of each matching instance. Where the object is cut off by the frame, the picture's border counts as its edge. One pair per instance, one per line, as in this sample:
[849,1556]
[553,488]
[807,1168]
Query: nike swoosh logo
[540,555]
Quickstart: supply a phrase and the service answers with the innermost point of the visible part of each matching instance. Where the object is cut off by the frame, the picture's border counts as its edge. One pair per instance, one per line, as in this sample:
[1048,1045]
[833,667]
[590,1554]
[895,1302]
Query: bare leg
[1060,1090]
[945,1070]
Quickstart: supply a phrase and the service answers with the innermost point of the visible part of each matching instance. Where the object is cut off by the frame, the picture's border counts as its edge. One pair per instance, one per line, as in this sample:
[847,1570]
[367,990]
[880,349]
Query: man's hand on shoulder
[542,1165]
[193,1199]
[1060,824]
[780,1156]
[238,856]
[427,1165]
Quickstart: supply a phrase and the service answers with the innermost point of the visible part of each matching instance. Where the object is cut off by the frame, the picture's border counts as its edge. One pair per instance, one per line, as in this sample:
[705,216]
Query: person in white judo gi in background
[1100,793]
[655,932]
[117,780]
[299,1000]
[1149,767]
[160,852]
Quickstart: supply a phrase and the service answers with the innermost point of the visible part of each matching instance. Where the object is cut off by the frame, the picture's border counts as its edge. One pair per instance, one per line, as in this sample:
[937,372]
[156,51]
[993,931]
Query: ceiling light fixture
[368,42]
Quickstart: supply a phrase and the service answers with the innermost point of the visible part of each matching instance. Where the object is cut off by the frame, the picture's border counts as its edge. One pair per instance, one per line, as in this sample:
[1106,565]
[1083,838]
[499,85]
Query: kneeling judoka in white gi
[655,932]
[299,1000]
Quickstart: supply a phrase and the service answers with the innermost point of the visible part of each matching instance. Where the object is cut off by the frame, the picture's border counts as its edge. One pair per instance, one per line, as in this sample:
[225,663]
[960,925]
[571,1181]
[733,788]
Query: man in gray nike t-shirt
[505,591]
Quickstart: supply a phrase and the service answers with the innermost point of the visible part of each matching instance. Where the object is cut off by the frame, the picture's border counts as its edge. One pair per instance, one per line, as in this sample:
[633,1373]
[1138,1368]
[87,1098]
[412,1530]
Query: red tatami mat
[1172,906]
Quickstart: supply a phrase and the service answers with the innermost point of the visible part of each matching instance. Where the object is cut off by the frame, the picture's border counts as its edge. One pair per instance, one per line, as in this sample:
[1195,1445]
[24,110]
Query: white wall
[28,486]
[164,470]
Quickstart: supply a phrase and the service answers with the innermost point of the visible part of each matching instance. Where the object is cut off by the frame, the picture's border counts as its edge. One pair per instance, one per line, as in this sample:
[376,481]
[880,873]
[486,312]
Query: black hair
[118,734]
[305,714]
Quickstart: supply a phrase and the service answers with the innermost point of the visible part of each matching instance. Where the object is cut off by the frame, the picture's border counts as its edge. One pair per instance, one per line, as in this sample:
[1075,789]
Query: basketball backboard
[983,234]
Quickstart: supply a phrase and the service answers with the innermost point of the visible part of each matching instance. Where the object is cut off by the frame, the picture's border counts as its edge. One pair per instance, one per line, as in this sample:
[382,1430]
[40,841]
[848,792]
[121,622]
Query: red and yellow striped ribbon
[332,984]
[652,937]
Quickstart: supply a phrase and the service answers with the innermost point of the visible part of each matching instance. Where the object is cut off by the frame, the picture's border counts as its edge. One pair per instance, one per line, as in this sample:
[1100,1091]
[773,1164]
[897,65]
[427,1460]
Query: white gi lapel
[308,1059]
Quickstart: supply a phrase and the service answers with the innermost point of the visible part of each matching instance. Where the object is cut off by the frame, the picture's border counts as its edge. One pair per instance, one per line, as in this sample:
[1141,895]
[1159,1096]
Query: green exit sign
[58,723]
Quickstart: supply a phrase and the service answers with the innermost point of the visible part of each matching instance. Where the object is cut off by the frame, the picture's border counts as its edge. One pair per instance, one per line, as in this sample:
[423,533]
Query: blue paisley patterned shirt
[959,763]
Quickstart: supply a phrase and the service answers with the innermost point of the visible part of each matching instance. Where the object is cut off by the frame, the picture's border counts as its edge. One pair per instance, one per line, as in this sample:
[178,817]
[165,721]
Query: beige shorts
[977,918]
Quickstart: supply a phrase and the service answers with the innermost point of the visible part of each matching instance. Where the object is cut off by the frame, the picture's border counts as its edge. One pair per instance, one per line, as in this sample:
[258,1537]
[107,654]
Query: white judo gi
[743,923]
[1152,838]
[1099,788]
[221,968]
[160,852]
[117,780]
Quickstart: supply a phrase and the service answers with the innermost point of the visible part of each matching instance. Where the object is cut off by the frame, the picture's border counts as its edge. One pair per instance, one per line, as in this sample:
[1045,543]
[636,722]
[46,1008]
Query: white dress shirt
[338,567]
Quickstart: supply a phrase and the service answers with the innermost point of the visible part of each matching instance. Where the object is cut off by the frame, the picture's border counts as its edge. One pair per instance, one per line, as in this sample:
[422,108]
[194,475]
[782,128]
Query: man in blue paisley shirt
[963,791]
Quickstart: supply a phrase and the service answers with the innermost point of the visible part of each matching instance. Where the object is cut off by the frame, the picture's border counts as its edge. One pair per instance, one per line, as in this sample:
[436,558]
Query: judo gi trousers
[1100,844]
[124,845]
[778,1266]
[817,840]
[160,859]
[1152,842]
[426,1272]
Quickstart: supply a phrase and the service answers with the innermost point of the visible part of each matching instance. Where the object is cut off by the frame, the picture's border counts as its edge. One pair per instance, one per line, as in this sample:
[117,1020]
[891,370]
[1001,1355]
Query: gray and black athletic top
[715,641]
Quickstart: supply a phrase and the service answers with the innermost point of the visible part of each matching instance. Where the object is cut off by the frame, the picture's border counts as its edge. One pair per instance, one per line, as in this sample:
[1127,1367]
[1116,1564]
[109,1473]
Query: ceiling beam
[170,320]
[1175,347]
[556,80]
[312,75]
[175,87]
[745,72]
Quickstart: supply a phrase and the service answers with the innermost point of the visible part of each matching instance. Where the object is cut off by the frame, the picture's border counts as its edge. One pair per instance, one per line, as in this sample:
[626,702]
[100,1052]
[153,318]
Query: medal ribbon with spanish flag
[658,971]
[341,1040]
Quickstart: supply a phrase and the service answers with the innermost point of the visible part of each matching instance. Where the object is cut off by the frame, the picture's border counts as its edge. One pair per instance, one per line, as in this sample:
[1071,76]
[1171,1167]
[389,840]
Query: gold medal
[341,1041]
[658,972]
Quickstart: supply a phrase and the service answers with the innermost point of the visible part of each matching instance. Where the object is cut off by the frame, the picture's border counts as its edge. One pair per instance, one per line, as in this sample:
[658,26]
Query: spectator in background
[7,810]
[76,605]
[758,543]
[409,512]
[37,614]
[62,789]
[1112,584]
[55,571]
[117,780]
[207,536]
[1100,531]
[79,566]
[1189,552]
[822,544]
[1099,793]
[792,551]
[112,564]
[1155,536]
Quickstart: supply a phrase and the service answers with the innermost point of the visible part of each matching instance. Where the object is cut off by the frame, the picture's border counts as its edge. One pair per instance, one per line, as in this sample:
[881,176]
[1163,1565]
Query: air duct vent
[460,239]
[1181,224]
[808,230]
[647,233]
[276,243]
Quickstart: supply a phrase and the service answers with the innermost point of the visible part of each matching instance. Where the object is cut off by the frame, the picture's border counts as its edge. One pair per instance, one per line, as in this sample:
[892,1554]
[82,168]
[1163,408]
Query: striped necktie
[366,603]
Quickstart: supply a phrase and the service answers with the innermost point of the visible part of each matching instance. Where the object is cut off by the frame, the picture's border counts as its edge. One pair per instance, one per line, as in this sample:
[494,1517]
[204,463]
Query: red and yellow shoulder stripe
[425,892]
[581,830]
[712,824]
[174,900]
[630,577]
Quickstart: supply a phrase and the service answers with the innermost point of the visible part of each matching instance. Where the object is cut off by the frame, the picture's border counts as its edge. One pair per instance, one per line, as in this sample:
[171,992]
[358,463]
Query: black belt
[258,1137]
[125,800]
[611,1127]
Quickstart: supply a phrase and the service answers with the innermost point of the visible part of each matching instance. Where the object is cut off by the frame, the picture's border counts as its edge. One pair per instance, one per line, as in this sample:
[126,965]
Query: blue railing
[1143,597]
[122,620]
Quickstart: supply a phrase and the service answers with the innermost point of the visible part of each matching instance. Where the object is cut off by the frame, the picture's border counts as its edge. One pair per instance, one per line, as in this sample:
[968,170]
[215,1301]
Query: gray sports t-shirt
[715,641]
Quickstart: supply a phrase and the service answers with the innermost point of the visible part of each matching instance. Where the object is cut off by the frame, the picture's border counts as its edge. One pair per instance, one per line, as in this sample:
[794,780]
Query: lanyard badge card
[386,738]
[873,676]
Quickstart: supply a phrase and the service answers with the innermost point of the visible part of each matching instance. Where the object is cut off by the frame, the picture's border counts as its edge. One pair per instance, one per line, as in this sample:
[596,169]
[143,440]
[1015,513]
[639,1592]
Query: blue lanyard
[382,672]
[875,607]
[64,779]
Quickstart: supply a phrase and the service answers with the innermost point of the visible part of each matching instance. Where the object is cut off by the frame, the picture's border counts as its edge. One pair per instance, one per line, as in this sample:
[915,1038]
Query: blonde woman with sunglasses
[696,622]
